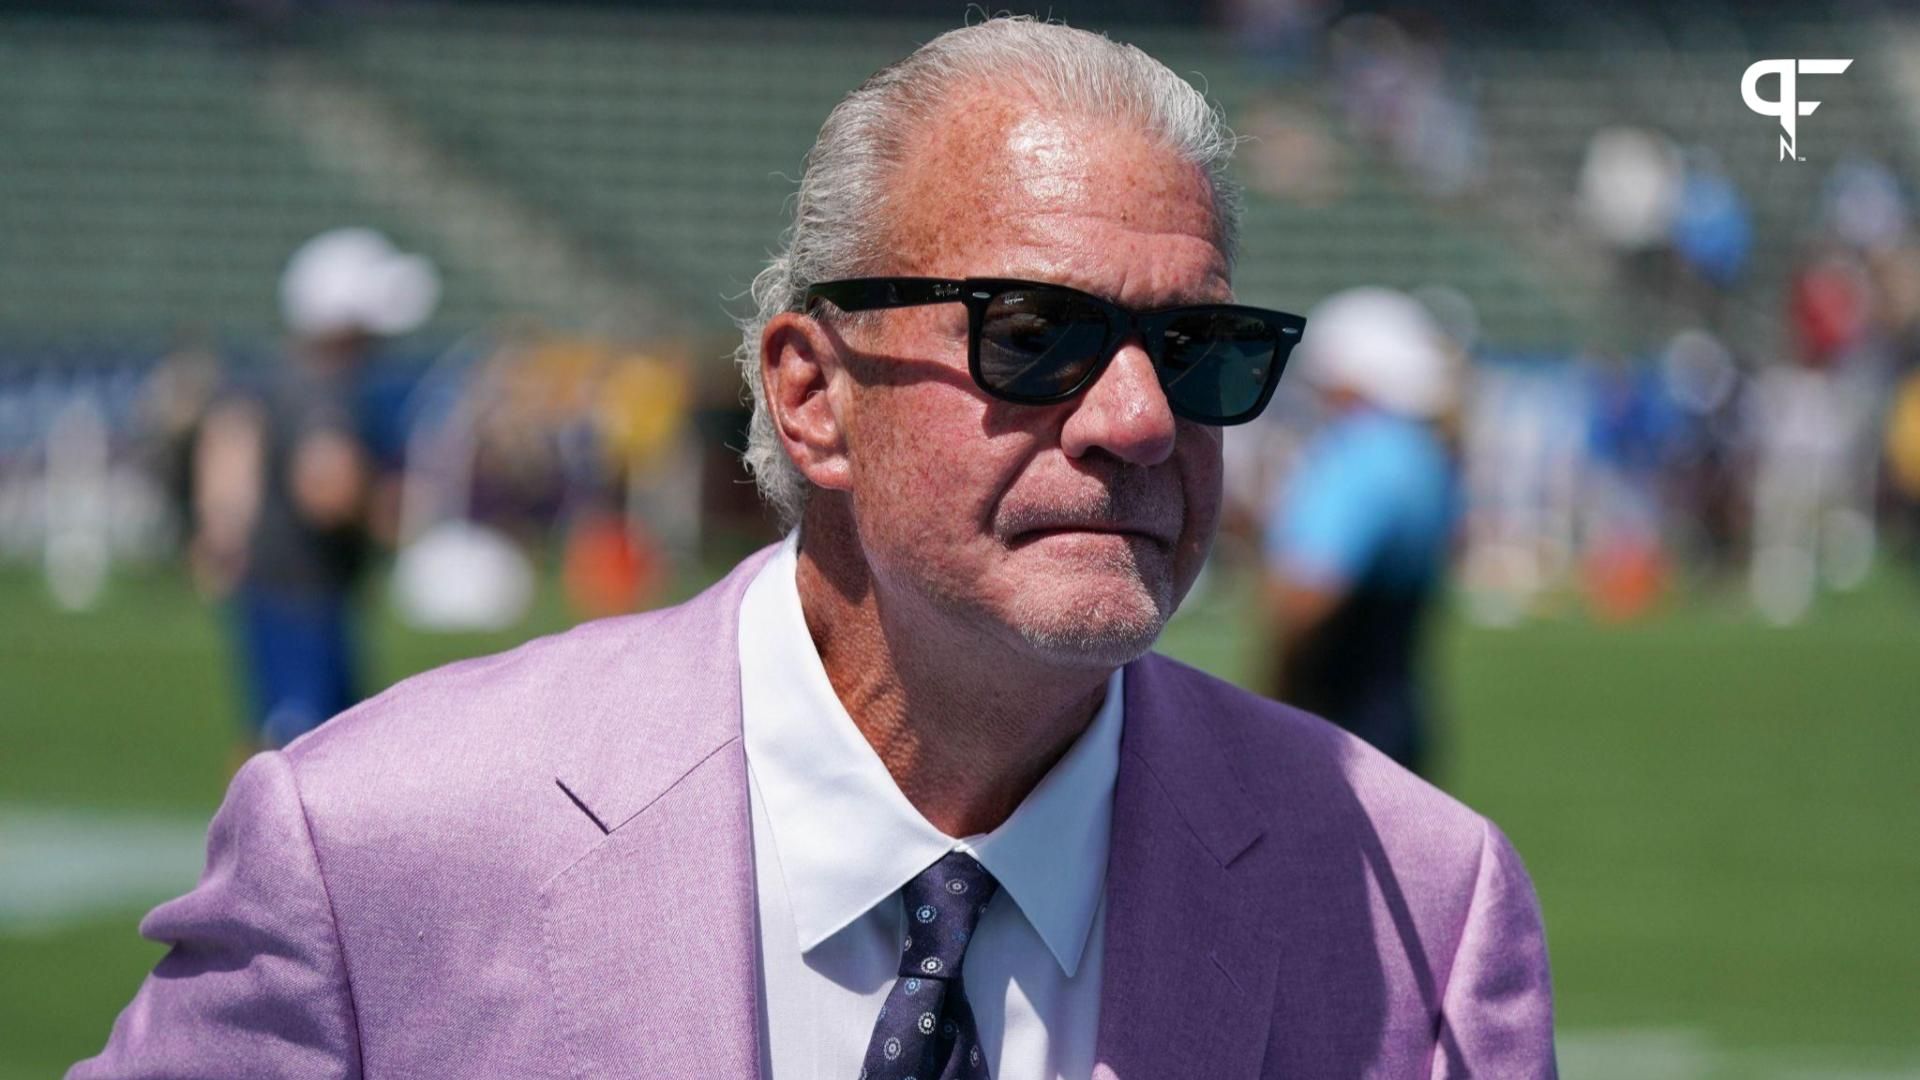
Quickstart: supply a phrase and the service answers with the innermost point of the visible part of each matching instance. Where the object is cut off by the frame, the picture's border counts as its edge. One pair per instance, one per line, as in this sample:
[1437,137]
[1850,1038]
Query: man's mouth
[1043,532]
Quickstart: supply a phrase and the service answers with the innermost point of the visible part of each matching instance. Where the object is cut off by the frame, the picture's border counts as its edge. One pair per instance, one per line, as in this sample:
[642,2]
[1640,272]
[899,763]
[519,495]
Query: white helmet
[355,279]
[1382,345]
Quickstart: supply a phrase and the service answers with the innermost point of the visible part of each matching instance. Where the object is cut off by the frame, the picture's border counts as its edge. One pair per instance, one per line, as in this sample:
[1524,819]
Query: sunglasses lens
[1216,365]
[1038,344]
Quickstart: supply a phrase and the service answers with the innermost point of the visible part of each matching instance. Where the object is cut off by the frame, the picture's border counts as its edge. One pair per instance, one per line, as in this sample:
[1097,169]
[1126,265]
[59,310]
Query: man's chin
[1096,651]
[1099,624]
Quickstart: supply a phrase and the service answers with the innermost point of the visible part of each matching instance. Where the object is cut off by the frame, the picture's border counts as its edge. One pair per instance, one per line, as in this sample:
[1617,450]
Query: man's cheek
[902,477]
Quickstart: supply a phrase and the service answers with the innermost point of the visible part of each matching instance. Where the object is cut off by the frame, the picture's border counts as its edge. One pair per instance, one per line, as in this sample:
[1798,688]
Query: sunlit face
[1070,531]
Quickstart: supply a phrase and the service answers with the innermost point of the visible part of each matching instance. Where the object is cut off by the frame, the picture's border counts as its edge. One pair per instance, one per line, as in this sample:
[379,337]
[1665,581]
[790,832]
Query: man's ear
[806,384]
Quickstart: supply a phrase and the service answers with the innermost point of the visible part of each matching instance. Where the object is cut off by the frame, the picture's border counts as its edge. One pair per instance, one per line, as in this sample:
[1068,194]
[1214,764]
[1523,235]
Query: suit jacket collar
[650,936]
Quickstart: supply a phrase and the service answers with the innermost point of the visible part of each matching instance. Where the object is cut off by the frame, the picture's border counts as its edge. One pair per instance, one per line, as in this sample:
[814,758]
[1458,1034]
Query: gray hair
[837,218]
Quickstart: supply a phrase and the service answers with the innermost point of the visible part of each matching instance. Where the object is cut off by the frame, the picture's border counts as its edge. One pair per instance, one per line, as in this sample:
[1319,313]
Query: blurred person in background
[1813,424]
[1712,236]
[1631,427]
[1629,191]
[1703,467]
[287,492]
[1898,270]
[1358,541]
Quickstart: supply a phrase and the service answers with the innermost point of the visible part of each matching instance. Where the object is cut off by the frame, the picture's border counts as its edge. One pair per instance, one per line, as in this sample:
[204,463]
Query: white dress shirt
[834,840]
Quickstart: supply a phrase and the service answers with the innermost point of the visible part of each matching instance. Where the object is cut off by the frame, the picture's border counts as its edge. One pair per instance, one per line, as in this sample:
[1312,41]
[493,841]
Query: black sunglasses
[1033,343]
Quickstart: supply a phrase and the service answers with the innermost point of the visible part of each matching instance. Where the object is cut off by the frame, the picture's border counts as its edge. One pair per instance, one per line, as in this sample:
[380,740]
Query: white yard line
[1680,1053]
[1641,1053]
[60,866]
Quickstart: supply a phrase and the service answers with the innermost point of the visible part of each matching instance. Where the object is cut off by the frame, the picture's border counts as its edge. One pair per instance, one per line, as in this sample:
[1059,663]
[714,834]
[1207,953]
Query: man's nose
[1124,413]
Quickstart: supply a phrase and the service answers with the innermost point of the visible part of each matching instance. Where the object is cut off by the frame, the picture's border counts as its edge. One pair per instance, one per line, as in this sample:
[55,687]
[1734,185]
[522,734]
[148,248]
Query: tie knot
[943,902]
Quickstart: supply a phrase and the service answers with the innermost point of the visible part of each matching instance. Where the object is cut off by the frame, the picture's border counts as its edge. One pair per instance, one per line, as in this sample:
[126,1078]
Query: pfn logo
[1788,107]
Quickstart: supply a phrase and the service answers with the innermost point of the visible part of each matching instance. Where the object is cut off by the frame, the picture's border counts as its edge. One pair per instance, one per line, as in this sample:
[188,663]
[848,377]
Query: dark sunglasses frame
[1151,327]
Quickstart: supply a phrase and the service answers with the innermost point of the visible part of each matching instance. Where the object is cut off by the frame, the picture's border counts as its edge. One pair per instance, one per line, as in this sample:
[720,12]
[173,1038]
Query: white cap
[355,279]
[1382,345]
[1630,186]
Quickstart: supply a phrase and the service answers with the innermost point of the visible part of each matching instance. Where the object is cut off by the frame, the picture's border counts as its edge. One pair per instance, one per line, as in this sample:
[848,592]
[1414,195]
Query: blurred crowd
[1715,428]
[1716,433]
[1785,461]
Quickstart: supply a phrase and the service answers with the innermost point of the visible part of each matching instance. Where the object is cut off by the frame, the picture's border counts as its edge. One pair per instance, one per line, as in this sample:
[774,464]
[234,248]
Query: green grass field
[1720,817]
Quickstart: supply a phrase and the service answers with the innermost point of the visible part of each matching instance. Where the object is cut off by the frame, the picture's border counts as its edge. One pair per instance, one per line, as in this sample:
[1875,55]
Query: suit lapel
[650,937]
[1191,963]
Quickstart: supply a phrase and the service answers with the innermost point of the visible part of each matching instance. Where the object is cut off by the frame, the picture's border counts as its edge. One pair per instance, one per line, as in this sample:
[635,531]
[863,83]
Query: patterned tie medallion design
[926,1029]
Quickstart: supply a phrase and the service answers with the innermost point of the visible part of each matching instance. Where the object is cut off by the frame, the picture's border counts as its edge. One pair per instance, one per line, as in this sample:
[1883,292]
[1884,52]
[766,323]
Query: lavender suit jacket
[539,864]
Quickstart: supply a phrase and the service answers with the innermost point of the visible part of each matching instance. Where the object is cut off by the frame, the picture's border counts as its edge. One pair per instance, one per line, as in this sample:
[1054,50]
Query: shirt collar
[845,836]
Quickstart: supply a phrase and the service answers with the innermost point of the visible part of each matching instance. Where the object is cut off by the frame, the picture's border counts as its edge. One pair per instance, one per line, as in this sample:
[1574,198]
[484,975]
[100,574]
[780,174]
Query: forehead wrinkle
[1158,268]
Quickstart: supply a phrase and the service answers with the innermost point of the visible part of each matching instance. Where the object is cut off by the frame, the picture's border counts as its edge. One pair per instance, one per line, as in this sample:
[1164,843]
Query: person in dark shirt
[1357,544]
[286,486]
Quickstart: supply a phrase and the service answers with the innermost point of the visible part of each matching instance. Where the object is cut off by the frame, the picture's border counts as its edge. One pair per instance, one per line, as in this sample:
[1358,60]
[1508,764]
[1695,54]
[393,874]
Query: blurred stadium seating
[159,174]
[146,191]
[160,168]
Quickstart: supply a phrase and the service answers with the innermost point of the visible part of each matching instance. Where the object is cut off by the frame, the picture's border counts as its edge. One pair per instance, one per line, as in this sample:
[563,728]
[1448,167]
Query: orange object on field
[1625,577]
[611,569]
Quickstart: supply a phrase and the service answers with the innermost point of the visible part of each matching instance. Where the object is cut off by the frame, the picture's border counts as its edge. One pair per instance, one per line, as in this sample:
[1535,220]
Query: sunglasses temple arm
[878,294]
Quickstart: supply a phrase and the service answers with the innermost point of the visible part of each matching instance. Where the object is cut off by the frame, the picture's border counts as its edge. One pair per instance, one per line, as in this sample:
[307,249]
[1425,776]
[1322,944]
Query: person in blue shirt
[1357,544]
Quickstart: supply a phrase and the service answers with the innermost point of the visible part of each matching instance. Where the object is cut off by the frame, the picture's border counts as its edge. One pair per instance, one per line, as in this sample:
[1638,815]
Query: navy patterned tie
[926,1029]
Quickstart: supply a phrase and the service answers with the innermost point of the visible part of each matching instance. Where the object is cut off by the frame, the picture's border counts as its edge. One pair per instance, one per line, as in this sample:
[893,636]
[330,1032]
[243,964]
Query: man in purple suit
[905,795]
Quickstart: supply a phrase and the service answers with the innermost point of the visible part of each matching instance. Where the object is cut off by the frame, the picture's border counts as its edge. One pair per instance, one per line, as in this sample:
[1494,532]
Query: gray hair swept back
[843,189]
